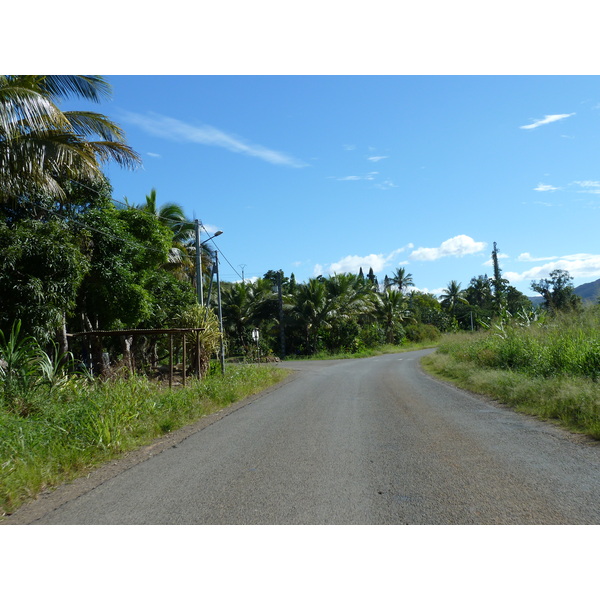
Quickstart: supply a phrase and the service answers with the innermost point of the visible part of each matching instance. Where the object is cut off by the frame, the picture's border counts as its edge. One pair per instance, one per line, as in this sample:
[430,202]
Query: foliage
[558,292]
[421,332]
[565,345]
[41,145]
[25,367]
[40,274]
[78,426]
[548,368]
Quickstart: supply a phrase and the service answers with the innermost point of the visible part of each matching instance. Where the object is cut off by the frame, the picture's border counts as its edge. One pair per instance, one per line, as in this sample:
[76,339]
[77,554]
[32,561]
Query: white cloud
[526,257]
[368,177]
[376,158]
[544,187]
[153,154]
[458,246]
[353,263]
[545,120]
[589,187]
[173,129]
[578,265]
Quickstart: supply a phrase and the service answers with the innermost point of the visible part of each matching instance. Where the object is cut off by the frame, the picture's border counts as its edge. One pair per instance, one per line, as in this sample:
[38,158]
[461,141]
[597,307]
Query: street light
[199,289]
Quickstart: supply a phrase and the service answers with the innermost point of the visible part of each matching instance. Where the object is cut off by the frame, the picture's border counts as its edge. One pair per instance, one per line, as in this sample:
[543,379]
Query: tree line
[74,260]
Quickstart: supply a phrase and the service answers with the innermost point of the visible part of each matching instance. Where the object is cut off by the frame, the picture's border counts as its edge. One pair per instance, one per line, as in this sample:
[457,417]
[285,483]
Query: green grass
[70,429]
[367,352]
[549,370]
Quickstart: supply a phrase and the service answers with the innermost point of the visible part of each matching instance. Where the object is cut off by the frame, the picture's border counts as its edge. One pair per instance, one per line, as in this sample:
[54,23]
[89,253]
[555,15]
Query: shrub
[421,332]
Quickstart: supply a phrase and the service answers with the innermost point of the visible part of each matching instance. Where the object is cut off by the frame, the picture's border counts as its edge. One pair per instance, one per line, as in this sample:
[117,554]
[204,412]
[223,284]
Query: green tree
[402,279]
[426,309]
[172,215]
[247,305]
[453,297]
[42,267]
[42,146]
[313,311]
[480,298]
[498,283]
[392,312]
[517,301]
[123,247]
[558,292]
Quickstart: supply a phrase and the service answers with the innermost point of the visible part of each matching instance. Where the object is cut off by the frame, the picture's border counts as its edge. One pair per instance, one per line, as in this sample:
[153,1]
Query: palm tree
[393,311]
[314,309]
[402,279]
[42,146]
[171,215]
[246,305]
[351,297]
[479,292]
[182,254]
[452,296]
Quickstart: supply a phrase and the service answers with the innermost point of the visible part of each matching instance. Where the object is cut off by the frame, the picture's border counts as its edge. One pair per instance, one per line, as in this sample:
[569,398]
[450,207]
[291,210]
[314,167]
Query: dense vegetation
[548,367]
[74,260]
[57,424]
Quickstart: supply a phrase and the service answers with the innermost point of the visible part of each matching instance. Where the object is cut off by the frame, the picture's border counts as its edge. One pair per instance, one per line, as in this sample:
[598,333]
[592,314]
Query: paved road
[368,441]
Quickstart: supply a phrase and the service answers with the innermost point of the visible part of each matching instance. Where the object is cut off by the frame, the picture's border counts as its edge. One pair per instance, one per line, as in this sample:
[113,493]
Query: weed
[548,367]
[79,424]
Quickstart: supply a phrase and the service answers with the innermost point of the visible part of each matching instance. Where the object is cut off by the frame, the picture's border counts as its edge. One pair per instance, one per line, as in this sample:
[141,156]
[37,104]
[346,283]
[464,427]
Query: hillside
[589,291]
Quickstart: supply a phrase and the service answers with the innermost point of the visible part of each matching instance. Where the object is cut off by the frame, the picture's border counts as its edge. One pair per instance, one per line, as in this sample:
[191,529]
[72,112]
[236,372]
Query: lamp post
[199,289]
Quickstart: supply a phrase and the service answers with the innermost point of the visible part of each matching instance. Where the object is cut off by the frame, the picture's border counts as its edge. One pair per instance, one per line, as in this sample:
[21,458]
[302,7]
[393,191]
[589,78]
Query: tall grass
[51,432]
[550,368]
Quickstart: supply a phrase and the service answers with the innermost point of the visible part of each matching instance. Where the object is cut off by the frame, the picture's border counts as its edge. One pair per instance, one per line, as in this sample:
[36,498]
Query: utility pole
[281,332]
[199,290]
[220,312]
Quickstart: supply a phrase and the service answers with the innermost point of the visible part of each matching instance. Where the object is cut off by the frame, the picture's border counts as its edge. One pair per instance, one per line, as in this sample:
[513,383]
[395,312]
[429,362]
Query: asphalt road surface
[367,441]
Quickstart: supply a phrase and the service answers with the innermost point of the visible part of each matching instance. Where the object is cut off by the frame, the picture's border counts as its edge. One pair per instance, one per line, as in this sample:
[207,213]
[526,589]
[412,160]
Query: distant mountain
[588,292]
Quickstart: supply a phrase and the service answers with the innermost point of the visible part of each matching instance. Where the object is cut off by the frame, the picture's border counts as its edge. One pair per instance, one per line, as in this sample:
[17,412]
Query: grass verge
[367,352]
[569,400]
[81,426]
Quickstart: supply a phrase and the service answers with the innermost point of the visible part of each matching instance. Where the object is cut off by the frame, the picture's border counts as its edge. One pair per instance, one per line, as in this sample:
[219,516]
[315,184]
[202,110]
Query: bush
[421,332]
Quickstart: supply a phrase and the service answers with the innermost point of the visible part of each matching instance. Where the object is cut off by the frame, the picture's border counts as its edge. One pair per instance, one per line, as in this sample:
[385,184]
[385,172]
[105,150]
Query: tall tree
[498,284]
[172,215]
[41,270]
[393,312]
[402,279]
[558,292]
[452,297]
[42,146]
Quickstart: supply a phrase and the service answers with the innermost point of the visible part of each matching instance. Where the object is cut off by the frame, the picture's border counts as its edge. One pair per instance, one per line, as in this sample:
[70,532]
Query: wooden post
[170,360]
[198,354]
[184,353]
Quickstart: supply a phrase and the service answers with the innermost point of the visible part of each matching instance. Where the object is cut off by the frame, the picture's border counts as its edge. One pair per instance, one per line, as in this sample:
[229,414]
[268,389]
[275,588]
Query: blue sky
[323,174]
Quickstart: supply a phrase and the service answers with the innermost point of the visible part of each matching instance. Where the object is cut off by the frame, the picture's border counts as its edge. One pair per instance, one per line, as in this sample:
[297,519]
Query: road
[366,441]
